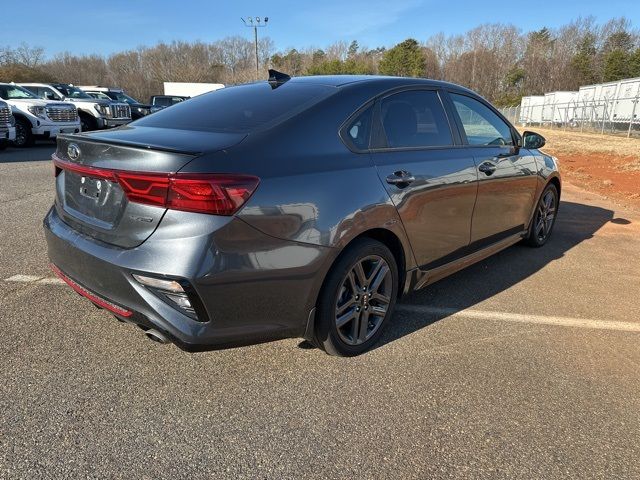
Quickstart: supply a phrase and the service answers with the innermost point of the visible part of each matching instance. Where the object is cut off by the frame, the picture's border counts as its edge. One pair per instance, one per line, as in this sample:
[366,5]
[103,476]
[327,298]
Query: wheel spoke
[364,326]
[378,280]
[355,327]
[380,298]
[352,282]
[362,278]
[375,271]
[342,320]
[349,303]
[539,226]
[547,226]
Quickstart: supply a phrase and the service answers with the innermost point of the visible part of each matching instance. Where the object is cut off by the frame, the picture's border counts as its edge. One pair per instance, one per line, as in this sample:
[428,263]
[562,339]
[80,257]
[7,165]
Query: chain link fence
[616,116]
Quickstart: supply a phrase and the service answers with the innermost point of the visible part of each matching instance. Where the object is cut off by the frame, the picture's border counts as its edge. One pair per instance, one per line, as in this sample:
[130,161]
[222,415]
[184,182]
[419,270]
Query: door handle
[487,168]
[401,178]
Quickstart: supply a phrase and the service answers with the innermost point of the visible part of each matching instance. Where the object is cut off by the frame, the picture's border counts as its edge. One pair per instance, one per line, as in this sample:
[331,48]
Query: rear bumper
[253,287]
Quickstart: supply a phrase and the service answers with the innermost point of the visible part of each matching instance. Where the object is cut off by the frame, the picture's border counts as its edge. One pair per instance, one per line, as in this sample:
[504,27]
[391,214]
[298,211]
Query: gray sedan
[296,207]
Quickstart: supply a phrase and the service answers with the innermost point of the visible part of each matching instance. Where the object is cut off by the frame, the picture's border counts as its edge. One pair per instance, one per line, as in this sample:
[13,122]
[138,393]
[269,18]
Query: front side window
[100,96]
[415,118]
[72,92]
[481,124]
[48,94]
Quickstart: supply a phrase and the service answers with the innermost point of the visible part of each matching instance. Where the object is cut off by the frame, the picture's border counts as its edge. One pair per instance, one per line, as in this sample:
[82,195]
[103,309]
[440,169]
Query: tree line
[499,61]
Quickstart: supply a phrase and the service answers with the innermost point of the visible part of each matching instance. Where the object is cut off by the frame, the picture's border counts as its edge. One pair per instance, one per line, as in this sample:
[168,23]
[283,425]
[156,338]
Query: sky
[113,25]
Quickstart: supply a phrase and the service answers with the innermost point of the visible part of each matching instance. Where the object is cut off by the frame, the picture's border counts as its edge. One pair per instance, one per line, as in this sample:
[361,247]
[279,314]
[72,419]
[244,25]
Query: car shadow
[576,223]
[37,153]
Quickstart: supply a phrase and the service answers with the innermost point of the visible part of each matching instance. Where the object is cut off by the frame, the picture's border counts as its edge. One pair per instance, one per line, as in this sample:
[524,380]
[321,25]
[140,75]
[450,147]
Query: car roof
[342,80]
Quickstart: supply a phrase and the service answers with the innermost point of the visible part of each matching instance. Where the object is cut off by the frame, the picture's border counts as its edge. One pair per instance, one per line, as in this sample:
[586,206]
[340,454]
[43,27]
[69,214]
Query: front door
[506,173]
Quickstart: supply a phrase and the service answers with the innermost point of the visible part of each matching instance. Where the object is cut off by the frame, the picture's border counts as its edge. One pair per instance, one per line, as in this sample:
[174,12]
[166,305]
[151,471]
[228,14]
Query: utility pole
[255,22]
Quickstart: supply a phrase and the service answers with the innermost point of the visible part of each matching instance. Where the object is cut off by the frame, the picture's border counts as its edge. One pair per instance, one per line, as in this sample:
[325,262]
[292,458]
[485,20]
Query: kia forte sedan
[295,207]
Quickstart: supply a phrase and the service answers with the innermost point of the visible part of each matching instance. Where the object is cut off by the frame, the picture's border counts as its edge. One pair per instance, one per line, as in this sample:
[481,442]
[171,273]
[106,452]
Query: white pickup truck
[7,125]
[95,114]
[36,118]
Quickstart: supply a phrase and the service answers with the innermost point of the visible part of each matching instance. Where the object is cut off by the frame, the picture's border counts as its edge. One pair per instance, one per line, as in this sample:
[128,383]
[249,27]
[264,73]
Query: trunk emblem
[73,151]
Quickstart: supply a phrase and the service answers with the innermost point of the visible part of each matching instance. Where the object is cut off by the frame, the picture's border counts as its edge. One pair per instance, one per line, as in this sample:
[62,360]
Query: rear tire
[544,217]
[357,299]
[24,136]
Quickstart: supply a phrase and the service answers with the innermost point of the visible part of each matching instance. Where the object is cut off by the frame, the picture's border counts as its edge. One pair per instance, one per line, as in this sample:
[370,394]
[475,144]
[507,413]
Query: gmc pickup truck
[37,118]
[7,125]
[95,114]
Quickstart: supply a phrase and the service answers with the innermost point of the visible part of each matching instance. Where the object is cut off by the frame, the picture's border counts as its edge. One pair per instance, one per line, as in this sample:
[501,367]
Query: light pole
[255,22]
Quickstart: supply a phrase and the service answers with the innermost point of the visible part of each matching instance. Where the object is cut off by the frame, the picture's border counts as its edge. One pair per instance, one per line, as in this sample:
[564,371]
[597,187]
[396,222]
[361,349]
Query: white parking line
[35,279]
[520,318]
[23,278]
[51,281]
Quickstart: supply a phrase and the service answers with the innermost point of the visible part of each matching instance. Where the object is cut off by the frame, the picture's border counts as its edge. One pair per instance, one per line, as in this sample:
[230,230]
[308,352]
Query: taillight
[149,189]
[217,194]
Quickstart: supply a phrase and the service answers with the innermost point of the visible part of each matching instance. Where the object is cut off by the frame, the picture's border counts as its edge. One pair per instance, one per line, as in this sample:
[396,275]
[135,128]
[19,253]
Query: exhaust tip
[156,336]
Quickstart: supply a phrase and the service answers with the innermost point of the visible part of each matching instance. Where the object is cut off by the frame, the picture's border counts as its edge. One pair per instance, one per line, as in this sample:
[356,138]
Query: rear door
[431,180]
[506,173]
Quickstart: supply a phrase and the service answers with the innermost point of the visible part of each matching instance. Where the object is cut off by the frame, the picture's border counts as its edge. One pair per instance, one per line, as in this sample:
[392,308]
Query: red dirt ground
[609,175]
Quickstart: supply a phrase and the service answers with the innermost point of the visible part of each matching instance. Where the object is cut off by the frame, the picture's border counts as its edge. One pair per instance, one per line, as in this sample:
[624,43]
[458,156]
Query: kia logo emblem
[73,151]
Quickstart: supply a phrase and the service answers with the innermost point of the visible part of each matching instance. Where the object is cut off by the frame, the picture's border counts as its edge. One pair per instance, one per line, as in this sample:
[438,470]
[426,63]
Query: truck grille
[62,113]
[5,115]
[120,110]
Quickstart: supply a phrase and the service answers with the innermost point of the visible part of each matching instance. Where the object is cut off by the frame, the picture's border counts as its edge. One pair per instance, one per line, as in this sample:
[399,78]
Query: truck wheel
[24,137]
[87,123]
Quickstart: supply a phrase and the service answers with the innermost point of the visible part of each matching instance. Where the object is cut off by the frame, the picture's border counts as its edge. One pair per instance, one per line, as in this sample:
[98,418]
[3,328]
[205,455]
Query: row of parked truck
[29,111]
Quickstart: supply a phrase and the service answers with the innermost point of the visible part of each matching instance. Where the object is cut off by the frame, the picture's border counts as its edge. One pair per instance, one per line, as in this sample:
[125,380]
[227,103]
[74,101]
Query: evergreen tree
[616,65]
[583,62]
[634,63]
[353,49]
[406,59]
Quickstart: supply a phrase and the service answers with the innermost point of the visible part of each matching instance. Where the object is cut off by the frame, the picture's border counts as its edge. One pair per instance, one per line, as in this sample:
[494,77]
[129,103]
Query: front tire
[87,123]
[544,217]
[357,299]
[24,136]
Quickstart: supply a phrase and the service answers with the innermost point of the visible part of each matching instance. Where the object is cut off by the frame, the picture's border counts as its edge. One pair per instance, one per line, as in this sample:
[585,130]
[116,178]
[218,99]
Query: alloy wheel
[545,216]
[363,300]
[21,135]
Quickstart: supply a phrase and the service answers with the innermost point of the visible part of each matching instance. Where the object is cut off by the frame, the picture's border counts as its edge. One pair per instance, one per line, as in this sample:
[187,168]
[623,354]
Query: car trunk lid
[91,171]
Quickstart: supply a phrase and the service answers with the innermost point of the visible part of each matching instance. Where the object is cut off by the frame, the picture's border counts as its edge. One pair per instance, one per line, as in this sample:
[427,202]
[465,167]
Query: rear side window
[415,118]
[481,124]
[358,131]
[238,109]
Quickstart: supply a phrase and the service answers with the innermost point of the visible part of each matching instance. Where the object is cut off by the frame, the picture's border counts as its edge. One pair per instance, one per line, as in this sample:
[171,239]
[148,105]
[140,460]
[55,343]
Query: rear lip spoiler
[96,172]
[139,146]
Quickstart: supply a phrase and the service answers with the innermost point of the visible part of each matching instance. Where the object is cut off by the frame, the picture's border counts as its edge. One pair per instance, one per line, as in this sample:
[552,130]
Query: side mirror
[532,140]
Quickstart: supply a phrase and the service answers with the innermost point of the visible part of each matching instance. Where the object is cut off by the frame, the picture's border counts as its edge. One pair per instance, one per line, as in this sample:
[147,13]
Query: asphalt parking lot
[526,365]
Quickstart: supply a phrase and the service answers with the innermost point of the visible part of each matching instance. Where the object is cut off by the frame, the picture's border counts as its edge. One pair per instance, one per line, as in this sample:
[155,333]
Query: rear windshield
[238,109]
